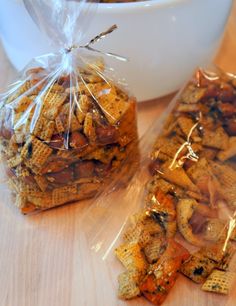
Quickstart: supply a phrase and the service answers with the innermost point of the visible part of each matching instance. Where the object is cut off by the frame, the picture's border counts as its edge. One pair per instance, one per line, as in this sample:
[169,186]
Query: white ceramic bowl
[164,39]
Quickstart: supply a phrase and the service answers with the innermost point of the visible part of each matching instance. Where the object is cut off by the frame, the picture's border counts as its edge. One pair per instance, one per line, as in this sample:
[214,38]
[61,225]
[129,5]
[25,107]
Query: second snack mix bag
[177,214]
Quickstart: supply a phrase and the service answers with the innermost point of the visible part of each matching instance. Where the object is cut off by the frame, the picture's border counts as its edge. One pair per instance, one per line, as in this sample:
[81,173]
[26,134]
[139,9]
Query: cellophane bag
[66,126]
[172,232]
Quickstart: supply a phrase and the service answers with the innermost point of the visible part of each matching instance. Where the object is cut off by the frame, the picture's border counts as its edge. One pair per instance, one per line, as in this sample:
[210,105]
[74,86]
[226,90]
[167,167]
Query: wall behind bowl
[164,42]
[20,36]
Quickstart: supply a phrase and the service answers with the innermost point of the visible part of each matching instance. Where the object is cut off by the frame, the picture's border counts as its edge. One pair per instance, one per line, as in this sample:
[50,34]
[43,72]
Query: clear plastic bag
[177,216]
[65,125]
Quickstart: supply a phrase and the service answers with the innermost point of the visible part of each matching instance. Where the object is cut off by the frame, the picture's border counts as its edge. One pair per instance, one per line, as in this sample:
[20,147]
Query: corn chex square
[131,256]
[112,106]
[128,288]
[44,129]
[35,152]
[52,103]
[23,104]
[63,195]
[41,182]
[14,161]
[137,234]
[219,282]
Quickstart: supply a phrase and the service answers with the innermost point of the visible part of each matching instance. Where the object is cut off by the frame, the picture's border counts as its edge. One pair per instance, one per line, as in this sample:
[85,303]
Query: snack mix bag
[65,126]
[182,213]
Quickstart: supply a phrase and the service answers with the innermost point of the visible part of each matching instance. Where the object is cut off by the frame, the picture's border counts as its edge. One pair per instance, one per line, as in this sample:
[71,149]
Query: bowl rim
[103,7]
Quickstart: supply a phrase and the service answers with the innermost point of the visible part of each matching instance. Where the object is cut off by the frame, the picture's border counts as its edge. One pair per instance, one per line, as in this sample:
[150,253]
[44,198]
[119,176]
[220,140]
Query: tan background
[44,259]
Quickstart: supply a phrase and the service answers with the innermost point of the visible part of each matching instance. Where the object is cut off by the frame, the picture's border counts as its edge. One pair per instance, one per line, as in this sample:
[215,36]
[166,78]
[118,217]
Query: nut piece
[6,133]
[61,177]
[227,109]
[84,169]
[106,135]
[55,165]
[78,140]
[10,172]
[57,142]
[226,93]
[231,127]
